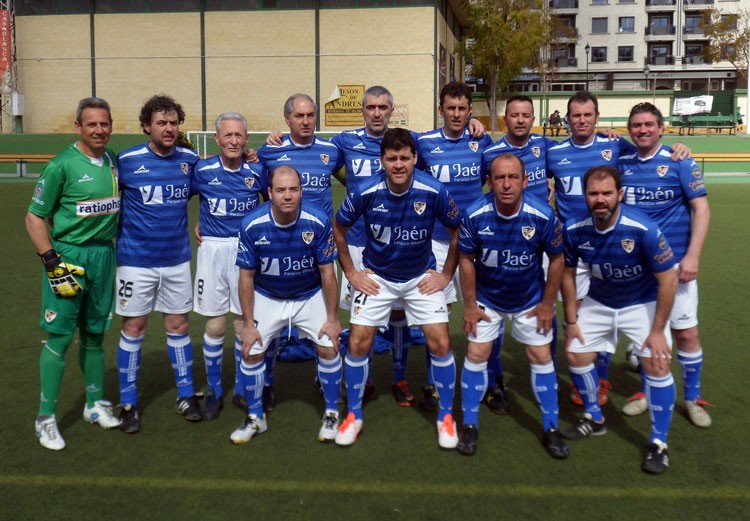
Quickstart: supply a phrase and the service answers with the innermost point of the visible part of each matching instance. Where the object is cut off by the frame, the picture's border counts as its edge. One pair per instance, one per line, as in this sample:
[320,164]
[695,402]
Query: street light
[587,49]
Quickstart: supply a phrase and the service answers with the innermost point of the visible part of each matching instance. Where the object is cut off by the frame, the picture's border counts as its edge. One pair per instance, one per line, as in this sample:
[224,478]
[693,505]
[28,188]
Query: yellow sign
[344,106]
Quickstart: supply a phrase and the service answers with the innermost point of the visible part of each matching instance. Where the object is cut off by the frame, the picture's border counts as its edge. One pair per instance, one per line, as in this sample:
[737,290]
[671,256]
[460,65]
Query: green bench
[708,122]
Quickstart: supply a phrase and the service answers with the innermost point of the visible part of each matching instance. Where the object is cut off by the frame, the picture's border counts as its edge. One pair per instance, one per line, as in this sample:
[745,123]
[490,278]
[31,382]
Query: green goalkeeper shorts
[92,308]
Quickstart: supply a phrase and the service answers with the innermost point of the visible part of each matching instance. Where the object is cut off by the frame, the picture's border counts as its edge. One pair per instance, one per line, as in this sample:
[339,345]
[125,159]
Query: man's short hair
[272,174]
[455,89]
[159,103]
[231,116]
[600,173]
[92,103]
[646,108]
[376,91]
[508,156]
[396,139]
[519,97]
[584,96]
[289,104]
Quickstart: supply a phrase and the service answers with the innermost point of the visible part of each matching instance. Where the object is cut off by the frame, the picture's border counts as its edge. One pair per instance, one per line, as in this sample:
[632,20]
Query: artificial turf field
[176,470]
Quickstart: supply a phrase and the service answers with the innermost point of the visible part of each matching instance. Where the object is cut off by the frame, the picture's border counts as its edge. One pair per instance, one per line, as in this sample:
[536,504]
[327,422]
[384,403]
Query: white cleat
[636,405]
[348,431]
[101,413]
[329,428]
[697,413]
[447,435]
[48,434]
[249,428]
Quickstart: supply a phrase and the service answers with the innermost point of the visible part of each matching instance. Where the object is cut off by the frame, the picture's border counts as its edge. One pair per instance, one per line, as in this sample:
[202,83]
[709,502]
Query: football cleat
[130,419]
[329,428]
[269,398]
[656,459]
[447,436]
[48,434]
[467,442]
[213,406]
[189,408]
[240,402]
[585,427]
[349,431]
[251,426]
[496,400]
[553,441]
[604,388]
[402,393]
[636,405]
[631,359]
[102,414]
[697,413]
[429,401]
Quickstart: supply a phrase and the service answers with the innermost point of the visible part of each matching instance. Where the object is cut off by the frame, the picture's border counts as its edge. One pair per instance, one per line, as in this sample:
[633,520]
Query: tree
[504,37]
[728,35]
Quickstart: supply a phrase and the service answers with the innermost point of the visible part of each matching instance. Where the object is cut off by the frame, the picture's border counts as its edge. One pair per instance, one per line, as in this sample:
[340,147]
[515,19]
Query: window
[627,24]
[599,25]
[693,24]
[625,53]
[598,54]
[730,21]
[599,2]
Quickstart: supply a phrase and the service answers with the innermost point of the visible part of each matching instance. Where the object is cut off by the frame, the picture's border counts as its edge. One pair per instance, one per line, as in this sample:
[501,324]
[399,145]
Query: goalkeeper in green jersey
[71,221]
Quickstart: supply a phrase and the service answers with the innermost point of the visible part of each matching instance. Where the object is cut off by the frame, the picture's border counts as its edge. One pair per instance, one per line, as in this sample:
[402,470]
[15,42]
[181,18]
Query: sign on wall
[5,52]
[344,106]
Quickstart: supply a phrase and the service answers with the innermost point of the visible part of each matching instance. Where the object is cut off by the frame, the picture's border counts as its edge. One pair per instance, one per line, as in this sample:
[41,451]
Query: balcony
[693,30]
[696,60]
[697,4]
[660,30]
[568,33]
[563,4]
[660,60]
[660,3]
[566,62]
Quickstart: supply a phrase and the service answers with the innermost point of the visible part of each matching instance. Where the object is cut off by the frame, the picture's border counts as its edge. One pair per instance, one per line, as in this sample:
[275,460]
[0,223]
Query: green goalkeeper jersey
[80,197]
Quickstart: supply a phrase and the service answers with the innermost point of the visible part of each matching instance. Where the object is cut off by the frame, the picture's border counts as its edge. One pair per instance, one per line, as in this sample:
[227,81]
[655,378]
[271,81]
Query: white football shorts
[143,290]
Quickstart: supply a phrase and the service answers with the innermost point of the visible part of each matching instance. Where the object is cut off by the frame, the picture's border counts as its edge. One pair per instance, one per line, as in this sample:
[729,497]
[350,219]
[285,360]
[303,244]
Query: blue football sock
[444,375]
[129,366]
[253,379]
[213,351]
[238,389]
[398,335]
[544,385]
[691,364]
[553,345]
[494,365]
[329,375]
[180,351]
[660,394]
[271,355]
[602,364]
[586,381]
[473,387]
[355,376]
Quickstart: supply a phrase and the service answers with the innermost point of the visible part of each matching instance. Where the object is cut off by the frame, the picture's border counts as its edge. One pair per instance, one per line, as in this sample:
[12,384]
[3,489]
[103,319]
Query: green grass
[176,470]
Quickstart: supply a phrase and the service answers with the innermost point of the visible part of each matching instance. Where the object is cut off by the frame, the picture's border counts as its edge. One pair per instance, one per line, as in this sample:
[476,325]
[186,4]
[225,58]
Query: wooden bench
[708,122]
[22,159]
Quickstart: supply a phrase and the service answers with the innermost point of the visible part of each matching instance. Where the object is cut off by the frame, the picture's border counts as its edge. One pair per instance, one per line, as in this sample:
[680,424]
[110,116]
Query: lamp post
[587,50]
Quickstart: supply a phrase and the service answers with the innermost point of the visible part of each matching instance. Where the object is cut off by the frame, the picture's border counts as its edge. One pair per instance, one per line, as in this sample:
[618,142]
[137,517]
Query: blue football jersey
[622,259]
[315,162]
[534,157]
[399,227]
[226,196]
[286,259]
[509,250]
[153,230]
[455,162]
[663,188]
[567,163]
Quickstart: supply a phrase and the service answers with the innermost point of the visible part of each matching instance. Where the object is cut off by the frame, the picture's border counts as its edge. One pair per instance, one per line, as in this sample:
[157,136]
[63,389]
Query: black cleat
[656,459]
[239,401]
[189,408]
[467,440]
[555,444]
[429,401]
[584,428]
[496,400]
[130,419]
[269,399]
[213,405]
[402,393]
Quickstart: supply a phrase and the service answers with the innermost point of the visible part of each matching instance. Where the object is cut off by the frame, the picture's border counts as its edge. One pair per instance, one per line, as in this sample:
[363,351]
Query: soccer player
[316,160]
[399,209]
[501,244]
[674,195]
[531,148]
[229,188]
[287,277]
[153,255]
[77,195]
[632,289]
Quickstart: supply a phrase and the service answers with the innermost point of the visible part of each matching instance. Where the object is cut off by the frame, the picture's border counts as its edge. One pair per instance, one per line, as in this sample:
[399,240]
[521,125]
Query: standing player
[502,241]
[673,194]
[399,209]
[632,290]
[77,195]
[153,255]
[532,149]
[287,277]
[316,160]
[229,188]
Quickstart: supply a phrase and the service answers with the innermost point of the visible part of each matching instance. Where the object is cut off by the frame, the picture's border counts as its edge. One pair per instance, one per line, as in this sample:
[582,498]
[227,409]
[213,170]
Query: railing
[660,60]
[660,30]
[563,4]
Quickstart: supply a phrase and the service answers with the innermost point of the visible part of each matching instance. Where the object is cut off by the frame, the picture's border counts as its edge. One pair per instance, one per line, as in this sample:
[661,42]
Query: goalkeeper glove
[61,275]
